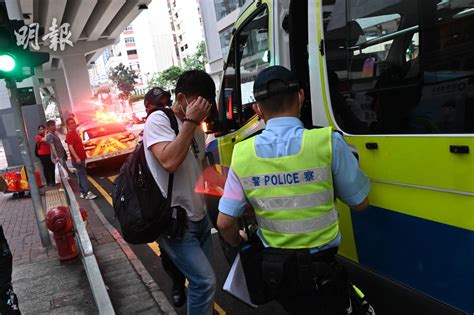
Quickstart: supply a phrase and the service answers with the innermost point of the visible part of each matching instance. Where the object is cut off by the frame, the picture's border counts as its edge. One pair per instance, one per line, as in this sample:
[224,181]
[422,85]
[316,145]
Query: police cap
[153,96]
[262,88]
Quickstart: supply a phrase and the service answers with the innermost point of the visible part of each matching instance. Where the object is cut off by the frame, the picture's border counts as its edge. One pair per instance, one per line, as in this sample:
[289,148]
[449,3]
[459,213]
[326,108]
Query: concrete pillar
[78,84]
[76,77]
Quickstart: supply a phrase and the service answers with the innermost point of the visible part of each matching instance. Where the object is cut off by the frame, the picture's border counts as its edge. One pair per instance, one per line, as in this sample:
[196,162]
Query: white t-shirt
[158,129]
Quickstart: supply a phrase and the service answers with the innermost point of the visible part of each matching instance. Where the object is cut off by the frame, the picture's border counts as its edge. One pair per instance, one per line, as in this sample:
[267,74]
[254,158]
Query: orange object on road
[15,180]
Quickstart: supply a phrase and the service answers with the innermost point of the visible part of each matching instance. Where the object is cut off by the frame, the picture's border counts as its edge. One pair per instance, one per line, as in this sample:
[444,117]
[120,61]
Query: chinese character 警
[256,181]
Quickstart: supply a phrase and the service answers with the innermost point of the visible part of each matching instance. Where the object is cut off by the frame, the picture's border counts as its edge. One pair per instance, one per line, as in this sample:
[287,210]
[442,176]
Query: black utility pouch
[251,260]
[178,223]
[279,272]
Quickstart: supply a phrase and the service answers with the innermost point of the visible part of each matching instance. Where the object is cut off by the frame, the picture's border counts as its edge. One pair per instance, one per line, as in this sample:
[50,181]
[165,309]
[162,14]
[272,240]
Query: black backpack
[139,205]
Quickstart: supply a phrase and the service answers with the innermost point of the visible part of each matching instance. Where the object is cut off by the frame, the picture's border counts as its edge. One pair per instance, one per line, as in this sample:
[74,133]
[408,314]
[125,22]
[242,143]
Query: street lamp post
[27,160]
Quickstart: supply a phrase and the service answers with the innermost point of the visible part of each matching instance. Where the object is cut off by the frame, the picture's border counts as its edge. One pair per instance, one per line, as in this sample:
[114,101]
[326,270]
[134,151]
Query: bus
[396,77]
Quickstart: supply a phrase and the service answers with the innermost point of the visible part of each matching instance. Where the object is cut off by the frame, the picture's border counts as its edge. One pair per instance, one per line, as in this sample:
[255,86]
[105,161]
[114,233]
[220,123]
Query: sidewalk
[44,286]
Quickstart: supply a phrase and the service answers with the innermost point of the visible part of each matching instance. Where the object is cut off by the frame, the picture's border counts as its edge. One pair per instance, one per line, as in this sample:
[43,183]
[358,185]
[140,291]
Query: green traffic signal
[7,63]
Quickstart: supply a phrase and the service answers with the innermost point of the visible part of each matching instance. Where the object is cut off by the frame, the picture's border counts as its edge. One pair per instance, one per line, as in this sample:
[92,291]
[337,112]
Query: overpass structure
[92,25]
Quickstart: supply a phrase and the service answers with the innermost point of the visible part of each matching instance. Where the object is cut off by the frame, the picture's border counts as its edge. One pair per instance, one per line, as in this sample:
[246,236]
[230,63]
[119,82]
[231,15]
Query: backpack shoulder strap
[171,116]
[174,125]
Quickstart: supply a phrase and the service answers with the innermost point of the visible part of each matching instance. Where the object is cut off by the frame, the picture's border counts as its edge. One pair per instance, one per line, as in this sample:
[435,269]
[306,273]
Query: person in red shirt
[78,157]
[43,153]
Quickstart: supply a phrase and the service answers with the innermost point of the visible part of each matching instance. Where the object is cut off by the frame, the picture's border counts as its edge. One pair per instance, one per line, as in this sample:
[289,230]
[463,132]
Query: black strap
[174,125]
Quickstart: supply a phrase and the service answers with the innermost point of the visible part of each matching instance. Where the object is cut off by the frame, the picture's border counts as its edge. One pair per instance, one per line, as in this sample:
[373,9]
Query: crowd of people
[289,175]
[317,166]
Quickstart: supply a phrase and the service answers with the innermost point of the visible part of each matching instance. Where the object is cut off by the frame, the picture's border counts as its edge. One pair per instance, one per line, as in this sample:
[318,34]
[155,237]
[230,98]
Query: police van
[396,77]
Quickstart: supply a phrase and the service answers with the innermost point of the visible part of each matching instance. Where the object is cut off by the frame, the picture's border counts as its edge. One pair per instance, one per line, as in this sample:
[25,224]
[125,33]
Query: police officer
[291,176]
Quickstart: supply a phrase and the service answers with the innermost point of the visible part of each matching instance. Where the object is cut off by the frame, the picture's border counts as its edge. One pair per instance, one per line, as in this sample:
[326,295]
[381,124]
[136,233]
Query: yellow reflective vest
[292,195]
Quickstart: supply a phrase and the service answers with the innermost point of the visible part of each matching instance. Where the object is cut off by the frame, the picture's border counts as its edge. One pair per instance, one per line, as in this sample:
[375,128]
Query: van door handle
[459,149]
[372,145]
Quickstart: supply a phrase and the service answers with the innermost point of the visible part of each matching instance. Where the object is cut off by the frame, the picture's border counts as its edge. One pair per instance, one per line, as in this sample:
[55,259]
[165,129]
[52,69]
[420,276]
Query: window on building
[131,52]
[182,48]
[185,46]
[401,72]
[224,7]
[225,35]
[176,15]
[129,28]
[129,40]
[180,37]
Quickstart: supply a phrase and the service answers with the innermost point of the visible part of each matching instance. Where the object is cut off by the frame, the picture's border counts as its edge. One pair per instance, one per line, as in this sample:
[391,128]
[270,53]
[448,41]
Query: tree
[124,79]
[197,60]
[166,79]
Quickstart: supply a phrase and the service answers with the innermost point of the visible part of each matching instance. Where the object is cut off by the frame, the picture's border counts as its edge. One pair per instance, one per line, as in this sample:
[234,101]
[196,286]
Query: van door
[397,78]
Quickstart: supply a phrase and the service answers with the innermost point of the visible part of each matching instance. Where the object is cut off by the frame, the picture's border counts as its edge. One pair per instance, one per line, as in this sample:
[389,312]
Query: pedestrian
[8,299]
[155,98]
[289,175]
[58,153]
[44,154]
[182,155]
[78,158]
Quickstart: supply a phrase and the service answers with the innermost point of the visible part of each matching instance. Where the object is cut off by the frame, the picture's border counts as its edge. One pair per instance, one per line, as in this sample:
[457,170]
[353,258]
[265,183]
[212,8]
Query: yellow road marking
[112,178]
[101,190]
[219,309]
[154,246]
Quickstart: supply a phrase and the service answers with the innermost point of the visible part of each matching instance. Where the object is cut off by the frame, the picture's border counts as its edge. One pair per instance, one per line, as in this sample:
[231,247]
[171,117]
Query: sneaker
[82,196]
[90,195]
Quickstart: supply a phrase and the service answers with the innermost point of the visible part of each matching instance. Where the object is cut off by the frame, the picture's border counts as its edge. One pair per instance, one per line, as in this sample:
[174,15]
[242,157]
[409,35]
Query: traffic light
[16,63]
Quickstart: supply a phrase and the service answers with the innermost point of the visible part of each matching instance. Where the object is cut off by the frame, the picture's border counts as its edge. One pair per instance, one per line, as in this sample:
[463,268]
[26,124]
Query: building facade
[218,17]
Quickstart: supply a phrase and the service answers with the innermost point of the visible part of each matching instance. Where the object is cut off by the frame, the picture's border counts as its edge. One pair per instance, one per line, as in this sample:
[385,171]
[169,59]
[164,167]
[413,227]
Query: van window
[254,57]
[249,54]
[409,70]
[103,130]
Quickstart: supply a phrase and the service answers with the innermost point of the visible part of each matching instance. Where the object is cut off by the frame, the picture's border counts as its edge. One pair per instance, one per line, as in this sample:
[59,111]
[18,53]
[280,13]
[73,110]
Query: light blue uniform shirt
[281,137]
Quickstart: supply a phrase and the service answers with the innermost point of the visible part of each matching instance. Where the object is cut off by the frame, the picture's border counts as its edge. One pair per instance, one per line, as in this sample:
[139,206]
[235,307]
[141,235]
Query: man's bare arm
[171,154]
[54,151]
[73,152]
[361,206]
[229,229]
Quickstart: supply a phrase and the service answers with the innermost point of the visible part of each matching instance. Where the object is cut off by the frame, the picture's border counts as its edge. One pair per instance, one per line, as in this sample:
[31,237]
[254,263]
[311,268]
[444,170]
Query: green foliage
[135,98]
[124,78]
[197,60]
[167,78]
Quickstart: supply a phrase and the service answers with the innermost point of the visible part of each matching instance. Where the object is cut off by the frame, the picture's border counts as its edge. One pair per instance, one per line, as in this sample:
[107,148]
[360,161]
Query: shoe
[178,296]
[82,196]
[90,196]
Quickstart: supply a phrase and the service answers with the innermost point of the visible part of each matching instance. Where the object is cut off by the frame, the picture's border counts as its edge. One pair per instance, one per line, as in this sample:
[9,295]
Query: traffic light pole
[27,160]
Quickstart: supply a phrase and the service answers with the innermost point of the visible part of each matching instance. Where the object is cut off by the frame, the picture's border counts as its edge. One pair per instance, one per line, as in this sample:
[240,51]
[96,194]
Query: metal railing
[98,288]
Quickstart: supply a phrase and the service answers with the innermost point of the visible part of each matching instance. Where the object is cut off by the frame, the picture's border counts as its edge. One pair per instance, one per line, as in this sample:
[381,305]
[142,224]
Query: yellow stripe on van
[348,247]
[422,161]
[442,207]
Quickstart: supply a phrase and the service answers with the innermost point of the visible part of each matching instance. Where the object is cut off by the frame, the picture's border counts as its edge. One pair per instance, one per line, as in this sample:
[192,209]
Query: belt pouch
[251,260]
[306,275]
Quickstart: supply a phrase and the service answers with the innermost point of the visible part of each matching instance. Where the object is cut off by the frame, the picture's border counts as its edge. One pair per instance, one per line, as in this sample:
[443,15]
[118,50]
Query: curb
[147,279]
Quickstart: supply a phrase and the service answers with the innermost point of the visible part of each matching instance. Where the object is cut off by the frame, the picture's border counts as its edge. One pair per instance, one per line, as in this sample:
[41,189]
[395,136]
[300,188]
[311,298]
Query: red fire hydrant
[59,221]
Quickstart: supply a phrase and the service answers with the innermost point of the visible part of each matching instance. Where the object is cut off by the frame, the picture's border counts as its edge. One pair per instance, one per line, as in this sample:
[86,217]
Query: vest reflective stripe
[299,227]
[292,202]
[302,177]
[292,195]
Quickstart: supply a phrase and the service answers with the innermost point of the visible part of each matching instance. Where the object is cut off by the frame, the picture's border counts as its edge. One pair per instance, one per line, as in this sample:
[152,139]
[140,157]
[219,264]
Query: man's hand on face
[198,109]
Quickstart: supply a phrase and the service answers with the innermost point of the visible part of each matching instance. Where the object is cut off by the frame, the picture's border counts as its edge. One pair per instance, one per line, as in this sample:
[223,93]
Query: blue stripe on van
[434,258]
